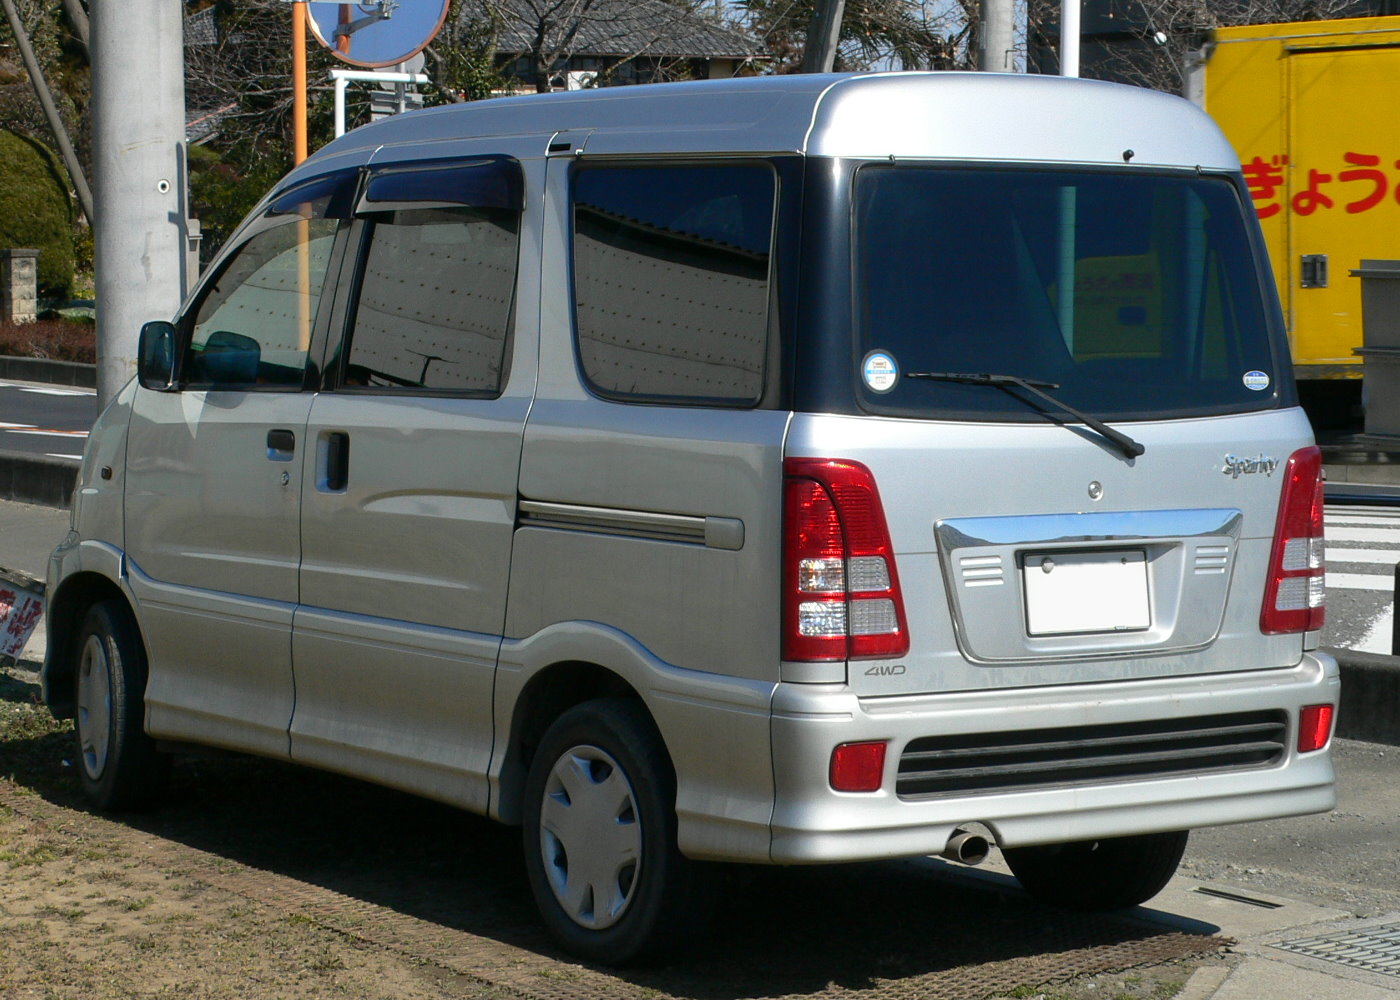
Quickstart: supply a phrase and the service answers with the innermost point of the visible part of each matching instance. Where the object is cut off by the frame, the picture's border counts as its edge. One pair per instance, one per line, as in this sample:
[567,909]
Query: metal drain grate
[1375,949]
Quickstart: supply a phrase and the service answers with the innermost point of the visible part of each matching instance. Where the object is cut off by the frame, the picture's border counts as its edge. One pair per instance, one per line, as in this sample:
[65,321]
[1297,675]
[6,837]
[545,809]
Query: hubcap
[94,707]
[590,837]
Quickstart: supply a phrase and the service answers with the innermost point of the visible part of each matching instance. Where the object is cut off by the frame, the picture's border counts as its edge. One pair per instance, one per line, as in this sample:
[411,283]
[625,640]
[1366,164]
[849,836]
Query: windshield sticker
[1256,380]
[879,371]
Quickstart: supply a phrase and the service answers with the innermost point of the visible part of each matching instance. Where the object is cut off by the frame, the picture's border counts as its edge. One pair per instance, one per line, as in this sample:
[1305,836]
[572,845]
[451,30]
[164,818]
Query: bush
[53,339]
[36,211]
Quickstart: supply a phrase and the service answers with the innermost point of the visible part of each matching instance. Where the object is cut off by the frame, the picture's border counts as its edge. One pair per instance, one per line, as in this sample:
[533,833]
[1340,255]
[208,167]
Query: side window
[435,301]
[671,271]
[437,278]
[252,329]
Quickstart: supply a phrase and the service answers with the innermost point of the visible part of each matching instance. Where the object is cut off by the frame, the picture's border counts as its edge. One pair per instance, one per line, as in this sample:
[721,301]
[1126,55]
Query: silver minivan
[782,471]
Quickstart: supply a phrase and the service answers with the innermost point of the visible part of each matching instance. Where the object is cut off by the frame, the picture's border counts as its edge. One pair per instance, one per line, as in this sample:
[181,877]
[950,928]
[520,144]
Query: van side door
[410,490]
[214,479]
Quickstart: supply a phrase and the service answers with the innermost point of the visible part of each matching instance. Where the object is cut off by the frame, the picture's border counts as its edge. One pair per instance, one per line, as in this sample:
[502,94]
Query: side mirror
[155,357]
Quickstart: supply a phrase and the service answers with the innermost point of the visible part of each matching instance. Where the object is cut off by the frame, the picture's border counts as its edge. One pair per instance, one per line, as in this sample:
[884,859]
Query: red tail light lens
[841,589]
[1314,727]
[1295,595]
[858,767]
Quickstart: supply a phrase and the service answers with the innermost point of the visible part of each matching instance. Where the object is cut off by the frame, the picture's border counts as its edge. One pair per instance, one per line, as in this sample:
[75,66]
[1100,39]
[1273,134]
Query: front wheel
[1107,874]
[600,837]
[117,762]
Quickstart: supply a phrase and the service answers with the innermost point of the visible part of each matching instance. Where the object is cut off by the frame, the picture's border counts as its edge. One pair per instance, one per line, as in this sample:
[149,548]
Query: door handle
[337,461]
[281,444]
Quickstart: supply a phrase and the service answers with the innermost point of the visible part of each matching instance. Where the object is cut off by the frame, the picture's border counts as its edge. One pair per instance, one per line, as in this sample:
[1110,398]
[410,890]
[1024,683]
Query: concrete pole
[823,35]
[138,139]
[996,42]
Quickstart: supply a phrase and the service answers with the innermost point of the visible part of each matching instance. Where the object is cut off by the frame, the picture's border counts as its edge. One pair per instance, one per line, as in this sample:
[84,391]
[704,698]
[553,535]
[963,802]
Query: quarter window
[671,281]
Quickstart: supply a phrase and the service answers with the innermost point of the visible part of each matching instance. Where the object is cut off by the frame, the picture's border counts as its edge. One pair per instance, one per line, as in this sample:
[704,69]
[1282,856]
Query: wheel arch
[548,694]
[65,610]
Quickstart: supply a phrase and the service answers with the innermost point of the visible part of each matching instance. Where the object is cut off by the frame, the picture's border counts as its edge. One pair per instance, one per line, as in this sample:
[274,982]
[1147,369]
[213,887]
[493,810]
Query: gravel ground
[263,880]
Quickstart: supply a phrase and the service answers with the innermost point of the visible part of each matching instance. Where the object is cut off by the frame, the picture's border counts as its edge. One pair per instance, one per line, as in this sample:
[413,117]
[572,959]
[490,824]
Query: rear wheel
[1106,874]
[600,837]
[117,762]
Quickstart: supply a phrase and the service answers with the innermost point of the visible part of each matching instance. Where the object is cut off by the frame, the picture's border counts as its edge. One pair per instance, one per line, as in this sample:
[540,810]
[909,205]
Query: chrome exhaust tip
[966,847]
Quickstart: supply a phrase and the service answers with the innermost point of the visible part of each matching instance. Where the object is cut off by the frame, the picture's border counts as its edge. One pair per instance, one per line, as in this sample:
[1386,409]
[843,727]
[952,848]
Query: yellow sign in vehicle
[1311,109]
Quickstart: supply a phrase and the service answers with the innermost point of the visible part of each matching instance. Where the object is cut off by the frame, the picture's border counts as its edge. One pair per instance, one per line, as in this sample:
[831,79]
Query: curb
[37,479]
[72,373]
[1370,708]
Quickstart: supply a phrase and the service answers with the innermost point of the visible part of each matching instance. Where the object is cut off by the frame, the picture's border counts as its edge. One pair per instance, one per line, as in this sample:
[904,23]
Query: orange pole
[298,81]
[342,44]
[298,155]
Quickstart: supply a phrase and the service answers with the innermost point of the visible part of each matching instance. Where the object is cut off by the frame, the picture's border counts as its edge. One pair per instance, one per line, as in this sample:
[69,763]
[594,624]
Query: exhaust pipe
[966,847]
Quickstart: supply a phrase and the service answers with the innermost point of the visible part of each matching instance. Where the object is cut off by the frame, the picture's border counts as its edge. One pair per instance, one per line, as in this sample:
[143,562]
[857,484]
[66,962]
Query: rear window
[1136,295]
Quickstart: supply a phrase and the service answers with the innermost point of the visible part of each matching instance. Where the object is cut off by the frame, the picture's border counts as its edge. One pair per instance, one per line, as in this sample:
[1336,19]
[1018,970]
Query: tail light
[1295,595]
[841,590]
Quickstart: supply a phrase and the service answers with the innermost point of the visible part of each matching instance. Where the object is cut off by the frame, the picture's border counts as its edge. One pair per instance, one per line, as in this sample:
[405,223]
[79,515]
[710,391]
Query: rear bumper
[812,823]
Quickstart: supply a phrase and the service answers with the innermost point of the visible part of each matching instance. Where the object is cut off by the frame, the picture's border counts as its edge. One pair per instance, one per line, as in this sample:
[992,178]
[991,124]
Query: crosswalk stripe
[1360,581]
[1381,557]
[1364,534]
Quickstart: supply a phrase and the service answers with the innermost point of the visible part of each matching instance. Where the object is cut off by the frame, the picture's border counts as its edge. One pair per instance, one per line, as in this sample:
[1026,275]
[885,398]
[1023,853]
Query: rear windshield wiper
[1035,387]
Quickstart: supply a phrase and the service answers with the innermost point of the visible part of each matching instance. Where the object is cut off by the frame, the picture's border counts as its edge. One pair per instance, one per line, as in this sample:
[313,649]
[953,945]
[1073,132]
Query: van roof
[942,115]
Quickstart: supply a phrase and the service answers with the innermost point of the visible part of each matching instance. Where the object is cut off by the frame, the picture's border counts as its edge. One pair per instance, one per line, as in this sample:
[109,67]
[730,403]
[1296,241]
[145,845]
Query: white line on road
[1363,534]
[1378,639]
[1387,557]
[1360,581]
[1357,521]
[57,392]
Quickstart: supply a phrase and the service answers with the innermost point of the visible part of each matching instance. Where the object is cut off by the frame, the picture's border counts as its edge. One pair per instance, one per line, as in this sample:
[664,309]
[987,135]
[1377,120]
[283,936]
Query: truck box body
[1309,108]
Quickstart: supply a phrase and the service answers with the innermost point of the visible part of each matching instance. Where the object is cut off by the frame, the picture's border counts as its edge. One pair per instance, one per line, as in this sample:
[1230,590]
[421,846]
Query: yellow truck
[1313,110]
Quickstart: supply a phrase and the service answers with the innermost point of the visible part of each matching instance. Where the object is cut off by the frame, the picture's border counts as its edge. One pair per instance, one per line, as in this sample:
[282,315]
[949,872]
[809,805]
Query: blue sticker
[879,371]
[1256,380]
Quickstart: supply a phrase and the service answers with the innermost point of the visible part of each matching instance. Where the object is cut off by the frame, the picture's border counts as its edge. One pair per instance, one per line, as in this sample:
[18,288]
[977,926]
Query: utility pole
[138,138]
[996,40]
[823,34]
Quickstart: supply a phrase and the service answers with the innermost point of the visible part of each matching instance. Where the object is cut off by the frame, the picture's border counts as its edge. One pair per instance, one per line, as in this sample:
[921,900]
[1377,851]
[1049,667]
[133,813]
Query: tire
[600,838]
[1108,874]
[117,762]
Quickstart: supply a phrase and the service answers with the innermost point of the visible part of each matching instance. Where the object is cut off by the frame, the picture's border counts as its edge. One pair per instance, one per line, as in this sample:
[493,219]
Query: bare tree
[900,34]
[1161,39]
[548,33]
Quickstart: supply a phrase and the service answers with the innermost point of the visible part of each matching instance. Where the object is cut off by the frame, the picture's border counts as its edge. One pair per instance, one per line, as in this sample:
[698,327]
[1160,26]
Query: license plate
[1075,592]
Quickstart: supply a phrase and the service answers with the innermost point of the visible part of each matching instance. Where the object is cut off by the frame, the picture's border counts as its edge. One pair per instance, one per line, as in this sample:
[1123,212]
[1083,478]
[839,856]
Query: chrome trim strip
[713,532]
[1100,526]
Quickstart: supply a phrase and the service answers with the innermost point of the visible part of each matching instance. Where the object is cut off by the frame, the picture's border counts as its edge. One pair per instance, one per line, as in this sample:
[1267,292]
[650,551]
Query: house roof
[614,28]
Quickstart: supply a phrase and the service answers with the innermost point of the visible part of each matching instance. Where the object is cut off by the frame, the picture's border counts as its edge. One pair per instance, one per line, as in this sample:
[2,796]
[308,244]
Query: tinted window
[967,271]
[671,281]
[253,326]
[435,301]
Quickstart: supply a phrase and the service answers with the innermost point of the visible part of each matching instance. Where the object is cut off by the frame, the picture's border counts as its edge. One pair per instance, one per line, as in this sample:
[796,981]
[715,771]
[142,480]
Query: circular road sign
[376,33]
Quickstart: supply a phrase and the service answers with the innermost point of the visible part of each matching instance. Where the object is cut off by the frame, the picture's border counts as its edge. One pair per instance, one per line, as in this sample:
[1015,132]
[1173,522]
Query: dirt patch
[261,879]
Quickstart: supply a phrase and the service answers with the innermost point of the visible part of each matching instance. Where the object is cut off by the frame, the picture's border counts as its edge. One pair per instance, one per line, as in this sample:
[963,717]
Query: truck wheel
[1108,874]
[117,762]
[600,837]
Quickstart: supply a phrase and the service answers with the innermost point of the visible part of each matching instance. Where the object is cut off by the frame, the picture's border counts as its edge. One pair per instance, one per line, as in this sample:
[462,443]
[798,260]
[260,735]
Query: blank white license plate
[1070,592]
